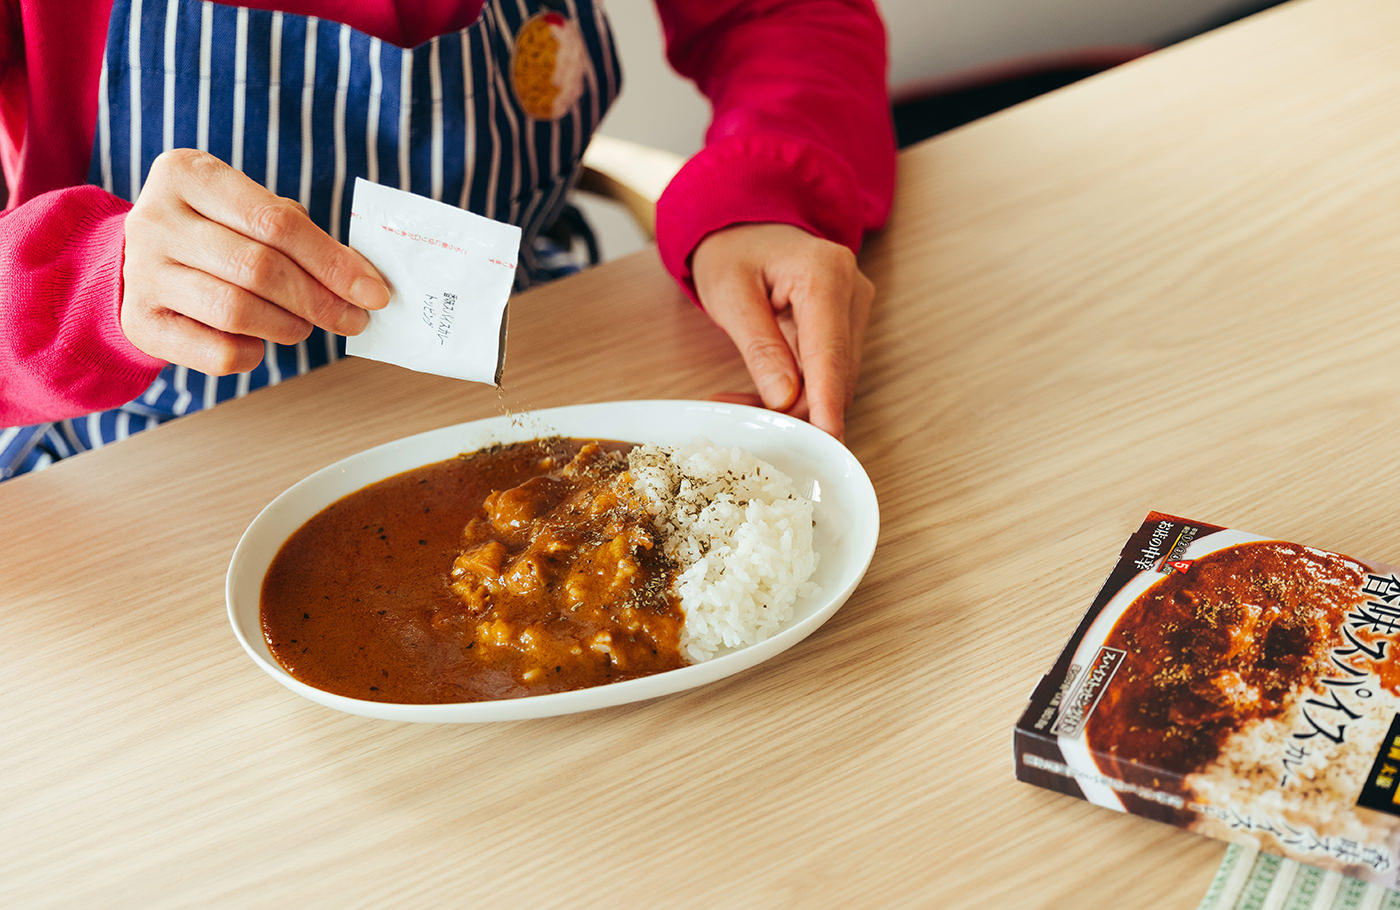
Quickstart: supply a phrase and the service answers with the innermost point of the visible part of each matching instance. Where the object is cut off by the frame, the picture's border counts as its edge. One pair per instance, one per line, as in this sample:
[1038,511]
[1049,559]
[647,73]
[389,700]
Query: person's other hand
[796,307]
[215,264]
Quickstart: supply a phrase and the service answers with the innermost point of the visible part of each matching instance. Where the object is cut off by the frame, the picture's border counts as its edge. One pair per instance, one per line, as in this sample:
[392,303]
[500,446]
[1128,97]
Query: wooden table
[1176,286]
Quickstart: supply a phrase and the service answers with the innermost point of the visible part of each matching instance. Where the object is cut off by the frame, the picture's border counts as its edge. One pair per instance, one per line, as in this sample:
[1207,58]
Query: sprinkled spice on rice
[740,534]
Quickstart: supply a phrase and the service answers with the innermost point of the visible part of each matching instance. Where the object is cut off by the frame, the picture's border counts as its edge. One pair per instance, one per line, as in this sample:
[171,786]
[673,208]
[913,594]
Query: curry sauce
[1216,648]
[518,570]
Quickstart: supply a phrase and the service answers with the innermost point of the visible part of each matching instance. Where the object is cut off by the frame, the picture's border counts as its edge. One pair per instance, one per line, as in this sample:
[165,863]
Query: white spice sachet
[450,273]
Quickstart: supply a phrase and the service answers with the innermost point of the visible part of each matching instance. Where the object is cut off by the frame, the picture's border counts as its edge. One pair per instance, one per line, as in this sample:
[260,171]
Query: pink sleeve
[62,351]
[801,131]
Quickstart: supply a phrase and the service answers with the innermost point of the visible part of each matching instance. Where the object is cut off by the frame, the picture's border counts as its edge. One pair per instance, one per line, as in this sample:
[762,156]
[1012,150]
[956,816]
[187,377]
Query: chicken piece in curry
[561,576]
[518,570]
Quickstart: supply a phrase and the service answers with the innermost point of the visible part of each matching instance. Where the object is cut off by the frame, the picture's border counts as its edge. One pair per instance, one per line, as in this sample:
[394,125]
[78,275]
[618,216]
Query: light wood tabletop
[1175,286]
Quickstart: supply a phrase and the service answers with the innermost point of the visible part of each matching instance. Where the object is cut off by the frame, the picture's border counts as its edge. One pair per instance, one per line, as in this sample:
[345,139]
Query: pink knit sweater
[801,134]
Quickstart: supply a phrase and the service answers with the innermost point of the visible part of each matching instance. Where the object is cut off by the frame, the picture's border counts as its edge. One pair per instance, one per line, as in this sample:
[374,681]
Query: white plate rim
[812,457]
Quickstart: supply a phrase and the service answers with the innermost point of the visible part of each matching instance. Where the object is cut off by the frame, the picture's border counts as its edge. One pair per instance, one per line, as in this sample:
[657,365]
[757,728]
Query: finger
[223,194]
[747,398]
[179,339]
[797,409]
[824,304]
[267,276]
[741,308]
[234,310]
[787,324]
[860,318]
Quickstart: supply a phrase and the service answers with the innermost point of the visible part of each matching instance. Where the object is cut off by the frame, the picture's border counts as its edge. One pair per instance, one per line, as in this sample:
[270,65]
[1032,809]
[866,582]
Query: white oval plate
[846,516]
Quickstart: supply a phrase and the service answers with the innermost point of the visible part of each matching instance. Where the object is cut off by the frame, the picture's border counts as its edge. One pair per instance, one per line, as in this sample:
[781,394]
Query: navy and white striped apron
[305,105]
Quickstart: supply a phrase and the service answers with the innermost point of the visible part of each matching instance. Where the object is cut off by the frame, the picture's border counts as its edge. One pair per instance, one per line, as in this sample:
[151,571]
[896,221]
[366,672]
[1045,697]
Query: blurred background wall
[950,61]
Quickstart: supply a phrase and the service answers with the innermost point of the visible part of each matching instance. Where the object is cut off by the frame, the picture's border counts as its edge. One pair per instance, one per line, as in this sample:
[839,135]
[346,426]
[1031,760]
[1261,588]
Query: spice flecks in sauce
[517,570]
[1226,643]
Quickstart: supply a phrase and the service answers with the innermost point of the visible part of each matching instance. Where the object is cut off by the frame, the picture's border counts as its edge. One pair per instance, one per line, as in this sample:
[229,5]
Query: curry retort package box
[1244,687]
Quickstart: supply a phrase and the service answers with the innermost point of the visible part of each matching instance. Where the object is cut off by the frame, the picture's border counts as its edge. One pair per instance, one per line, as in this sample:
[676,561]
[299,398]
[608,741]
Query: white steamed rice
[741,535]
